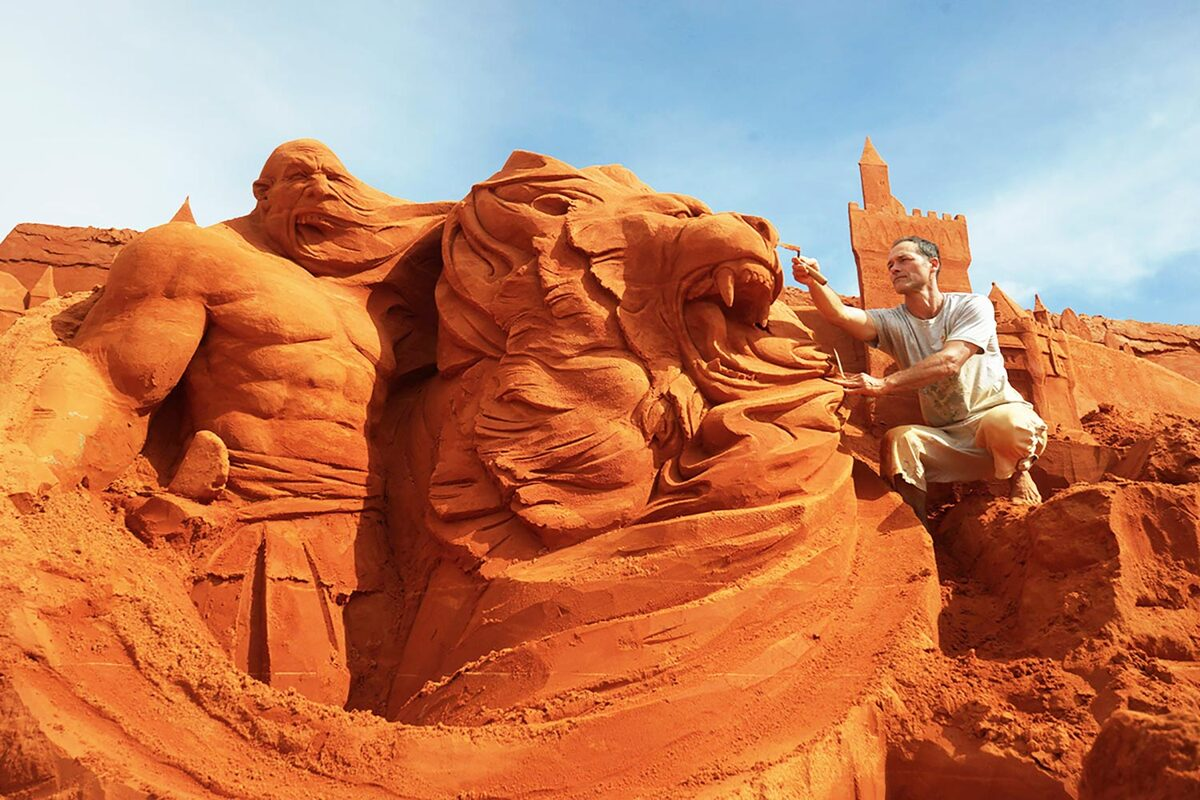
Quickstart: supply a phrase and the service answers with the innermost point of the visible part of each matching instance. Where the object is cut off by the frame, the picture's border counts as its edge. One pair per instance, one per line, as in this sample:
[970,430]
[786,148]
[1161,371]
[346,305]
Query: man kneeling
[978,426]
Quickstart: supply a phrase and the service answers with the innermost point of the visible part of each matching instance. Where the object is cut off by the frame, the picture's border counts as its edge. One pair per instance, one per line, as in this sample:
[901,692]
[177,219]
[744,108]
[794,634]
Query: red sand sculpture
[1037,357]
[544,493]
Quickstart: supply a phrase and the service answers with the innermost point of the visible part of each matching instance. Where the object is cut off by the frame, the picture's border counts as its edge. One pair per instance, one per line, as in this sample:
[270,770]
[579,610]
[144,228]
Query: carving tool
[816,275]
[838,359]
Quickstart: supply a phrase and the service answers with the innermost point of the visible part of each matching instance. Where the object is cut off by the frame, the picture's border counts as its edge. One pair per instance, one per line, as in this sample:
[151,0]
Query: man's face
[909,270]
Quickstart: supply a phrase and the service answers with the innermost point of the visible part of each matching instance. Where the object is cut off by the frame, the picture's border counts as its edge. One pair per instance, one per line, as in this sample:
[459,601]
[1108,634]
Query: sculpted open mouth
[745,287]
[726,307]
[311,227]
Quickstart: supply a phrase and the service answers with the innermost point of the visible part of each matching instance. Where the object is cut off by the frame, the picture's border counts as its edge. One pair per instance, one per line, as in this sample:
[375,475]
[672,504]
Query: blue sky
[1068,133]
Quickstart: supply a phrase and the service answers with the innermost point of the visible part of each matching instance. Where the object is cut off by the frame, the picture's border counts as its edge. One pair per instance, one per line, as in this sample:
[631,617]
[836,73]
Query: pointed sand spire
[1006,308]
[184,214]
[870,155]
[1040,312]
[13,299]
[43,289]
[876,188]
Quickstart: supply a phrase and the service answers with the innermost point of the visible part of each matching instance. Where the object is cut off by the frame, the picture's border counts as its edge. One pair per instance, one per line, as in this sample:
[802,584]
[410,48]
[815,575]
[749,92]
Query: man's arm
[90,412]
[854,321]
[947,361]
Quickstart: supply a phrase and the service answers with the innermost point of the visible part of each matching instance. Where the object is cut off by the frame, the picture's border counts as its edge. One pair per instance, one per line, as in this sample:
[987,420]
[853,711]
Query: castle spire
[1040,312]
[1007,309]
[870,155]
[873,170]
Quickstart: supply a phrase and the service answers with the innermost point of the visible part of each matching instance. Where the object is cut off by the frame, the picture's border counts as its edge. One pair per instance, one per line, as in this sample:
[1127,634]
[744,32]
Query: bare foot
[1022,489]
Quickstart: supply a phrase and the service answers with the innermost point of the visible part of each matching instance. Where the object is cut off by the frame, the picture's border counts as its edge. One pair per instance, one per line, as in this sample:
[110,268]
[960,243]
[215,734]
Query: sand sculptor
[280,326]
[979,427]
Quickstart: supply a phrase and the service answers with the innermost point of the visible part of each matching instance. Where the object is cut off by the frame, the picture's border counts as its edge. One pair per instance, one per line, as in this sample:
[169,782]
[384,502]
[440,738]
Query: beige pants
[993,444]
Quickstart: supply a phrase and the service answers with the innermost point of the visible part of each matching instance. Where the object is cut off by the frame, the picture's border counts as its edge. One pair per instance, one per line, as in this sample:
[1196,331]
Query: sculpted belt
[279,487]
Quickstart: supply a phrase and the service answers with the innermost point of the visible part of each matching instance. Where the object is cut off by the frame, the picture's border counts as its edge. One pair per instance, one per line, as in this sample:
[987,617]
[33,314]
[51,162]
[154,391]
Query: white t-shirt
[981,384]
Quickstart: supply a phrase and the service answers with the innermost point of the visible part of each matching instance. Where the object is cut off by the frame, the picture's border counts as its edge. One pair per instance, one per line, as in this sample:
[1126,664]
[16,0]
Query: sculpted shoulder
[179,259]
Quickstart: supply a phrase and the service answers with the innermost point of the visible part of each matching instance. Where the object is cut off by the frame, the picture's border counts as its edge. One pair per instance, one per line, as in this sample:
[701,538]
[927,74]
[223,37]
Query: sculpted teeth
[310,219]
[725,280]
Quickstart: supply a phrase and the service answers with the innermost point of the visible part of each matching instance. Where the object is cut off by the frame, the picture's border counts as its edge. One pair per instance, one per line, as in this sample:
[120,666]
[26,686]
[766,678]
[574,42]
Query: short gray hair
[924,246]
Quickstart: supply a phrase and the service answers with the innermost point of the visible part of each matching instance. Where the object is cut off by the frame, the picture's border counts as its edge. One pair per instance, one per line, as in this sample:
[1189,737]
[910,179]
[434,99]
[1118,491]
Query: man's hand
[854,321]
[803,269]
[861,383]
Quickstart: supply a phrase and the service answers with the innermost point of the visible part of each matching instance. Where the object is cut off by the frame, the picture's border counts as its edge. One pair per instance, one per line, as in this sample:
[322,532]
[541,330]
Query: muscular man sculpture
[282,327]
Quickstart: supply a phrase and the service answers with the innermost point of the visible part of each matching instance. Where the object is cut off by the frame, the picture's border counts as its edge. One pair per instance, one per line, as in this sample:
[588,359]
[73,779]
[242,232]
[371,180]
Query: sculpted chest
[274,302]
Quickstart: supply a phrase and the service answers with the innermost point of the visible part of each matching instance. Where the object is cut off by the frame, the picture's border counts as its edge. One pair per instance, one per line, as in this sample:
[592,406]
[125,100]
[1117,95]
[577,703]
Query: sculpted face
[694,287]
[314,212]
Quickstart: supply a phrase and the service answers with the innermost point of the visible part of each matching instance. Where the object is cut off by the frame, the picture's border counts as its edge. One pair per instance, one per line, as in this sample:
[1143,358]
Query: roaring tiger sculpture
[612,365]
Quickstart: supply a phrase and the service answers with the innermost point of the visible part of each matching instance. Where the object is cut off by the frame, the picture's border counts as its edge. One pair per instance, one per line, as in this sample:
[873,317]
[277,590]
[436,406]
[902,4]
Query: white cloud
[1100,219]
[1115,203]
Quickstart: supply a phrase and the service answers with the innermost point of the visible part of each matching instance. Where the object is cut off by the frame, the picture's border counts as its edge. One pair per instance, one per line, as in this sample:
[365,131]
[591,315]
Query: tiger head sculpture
[619,357]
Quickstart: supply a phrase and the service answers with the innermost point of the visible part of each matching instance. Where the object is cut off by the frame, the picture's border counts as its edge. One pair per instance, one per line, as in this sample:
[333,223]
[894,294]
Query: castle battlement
[916,212]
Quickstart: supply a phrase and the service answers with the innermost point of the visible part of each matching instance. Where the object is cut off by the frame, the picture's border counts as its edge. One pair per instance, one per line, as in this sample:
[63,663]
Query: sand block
[204,469]
[1066,462]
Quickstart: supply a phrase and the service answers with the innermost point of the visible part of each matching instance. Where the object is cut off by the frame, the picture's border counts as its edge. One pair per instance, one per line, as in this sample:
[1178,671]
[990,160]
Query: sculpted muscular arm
[91,410]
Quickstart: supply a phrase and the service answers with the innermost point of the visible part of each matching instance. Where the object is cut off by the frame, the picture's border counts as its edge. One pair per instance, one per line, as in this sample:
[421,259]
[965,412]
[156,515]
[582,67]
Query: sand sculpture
[543,493]
[613,361]
[278,327]
[1037,357]
[1176,347]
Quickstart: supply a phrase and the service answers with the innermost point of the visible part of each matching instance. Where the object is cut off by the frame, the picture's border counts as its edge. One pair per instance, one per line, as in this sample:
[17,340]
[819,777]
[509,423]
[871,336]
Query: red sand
[590,530]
